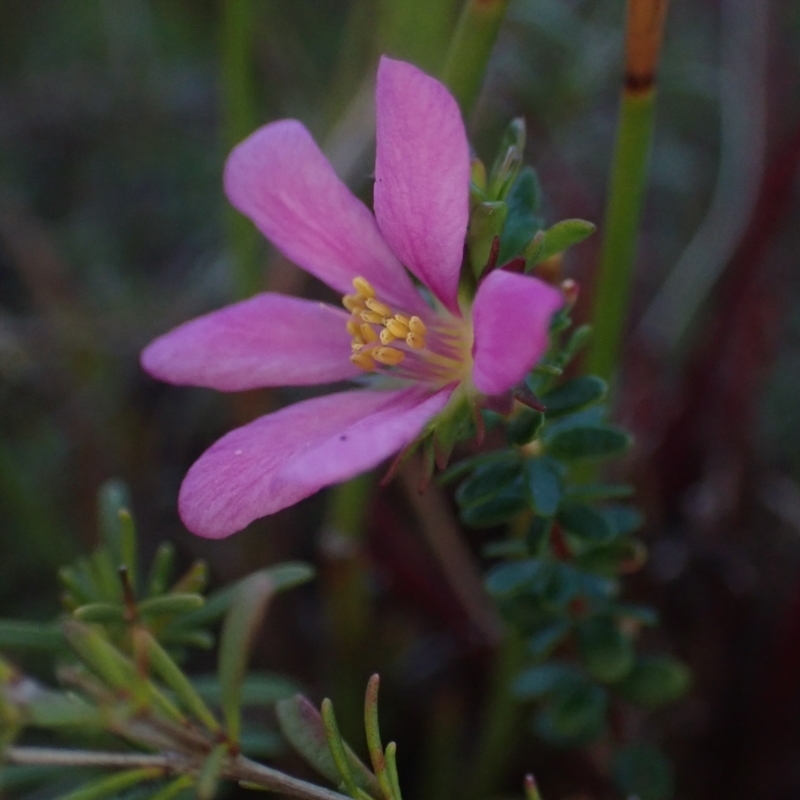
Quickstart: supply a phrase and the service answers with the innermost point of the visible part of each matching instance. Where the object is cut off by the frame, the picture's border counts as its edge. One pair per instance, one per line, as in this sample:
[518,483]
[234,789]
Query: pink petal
[281,180]
[422,176]
[281,458]
[268,340]
[511,319]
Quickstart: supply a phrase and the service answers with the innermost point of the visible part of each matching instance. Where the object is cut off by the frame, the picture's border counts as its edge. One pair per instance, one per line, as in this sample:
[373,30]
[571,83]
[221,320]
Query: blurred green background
[115,120]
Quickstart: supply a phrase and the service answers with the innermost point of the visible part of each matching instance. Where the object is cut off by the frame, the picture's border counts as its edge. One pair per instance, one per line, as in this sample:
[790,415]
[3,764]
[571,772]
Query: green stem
[470,50]
[347,596]
[625,198]
[239,119]
[503,713]
[645,27]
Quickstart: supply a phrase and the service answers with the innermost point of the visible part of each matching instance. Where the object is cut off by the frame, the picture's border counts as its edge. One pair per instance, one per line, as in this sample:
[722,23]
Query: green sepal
[485,224]
[508,162]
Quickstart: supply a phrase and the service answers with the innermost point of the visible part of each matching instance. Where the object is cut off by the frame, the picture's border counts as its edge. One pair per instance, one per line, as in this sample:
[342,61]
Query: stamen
[404,318]
[353,302]
[364,361]
[387,337]
[353,328]
[371,316]
[398,329]
[378,307]
[415,341]
[368,334]
[388,355]
[416,325]
[363,287]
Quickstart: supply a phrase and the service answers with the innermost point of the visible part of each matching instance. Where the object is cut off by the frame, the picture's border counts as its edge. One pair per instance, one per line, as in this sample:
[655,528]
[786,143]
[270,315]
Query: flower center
[435,351]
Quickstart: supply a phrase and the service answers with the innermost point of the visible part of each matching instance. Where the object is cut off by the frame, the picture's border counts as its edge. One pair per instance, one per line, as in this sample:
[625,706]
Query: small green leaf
[586,523]
[112,498]
[210,772]
[169,672]
[48,709]
[644,615]
[523,221]
[543,679]
[496,510]
[374,746]
[622,519]
[487,481]
[606,652]
[239,631]
[507,164]
[523,427]
[466,465]
[262,689]
[656,681]
[542,643]
[563,235]
[576,715]
[128,546]
[30,635]
[303,728]
[172,604]
[544,484]
[643,772]
[509,578]
[586,442]
[161,570]
[113,785]
[100,612]
[575,395]
[336,746]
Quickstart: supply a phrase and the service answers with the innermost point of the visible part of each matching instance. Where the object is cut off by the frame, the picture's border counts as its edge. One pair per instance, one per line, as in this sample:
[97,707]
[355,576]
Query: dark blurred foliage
[115,119]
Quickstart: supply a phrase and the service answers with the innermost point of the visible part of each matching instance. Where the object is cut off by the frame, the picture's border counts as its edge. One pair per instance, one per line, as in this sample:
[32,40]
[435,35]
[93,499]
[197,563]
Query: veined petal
[511,320]
[284,457]
[268,340]
[422,176]
[281,180]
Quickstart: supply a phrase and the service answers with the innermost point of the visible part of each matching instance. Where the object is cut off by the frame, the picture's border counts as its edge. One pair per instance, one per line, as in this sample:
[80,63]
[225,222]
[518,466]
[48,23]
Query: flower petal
[268,340]
[422,176]
[281,180]
[511,319]
[281,458]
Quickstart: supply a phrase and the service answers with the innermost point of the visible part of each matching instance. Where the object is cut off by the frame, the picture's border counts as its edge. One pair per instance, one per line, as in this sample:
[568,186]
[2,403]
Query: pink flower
[420,352]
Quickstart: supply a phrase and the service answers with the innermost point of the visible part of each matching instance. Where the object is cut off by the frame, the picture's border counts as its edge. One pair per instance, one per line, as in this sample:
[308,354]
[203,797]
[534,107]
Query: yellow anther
[368,333]
[402,318]
[388,355]
[378,307]
[397,328]
[356,345]
[387,337]
[415,340]
[363,287]
[371,316]
[353,302]
[353,328]
[416,325]
[363,361]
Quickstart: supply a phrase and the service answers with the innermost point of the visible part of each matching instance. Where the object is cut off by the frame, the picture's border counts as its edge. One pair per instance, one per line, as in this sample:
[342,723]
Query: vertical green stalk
[239,118]
[627,184]
[347,599]
[469,53]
